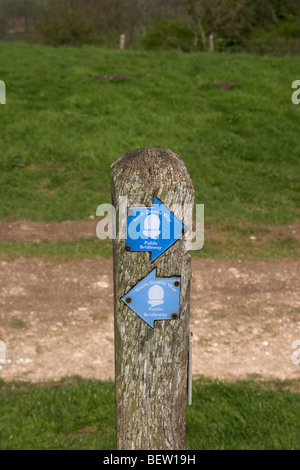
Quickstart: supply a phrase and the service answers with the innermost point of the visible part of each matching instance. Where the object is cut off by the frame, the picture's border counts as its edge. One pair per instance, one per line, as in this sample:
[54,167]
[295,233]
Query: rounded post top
[141,156]
[151,166]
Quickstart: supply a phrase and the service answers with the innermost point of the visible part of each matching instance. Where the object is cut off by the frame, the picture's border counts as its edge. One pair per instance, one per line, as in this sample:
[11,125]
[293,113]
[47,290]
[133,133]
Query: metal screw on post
[152,349]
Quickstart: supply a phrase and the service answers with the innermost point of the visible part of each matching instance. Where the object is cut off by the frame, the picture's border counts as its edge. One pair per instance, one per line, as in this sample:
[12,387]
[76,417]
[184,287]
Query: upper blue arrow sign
[154,298]
[152,229]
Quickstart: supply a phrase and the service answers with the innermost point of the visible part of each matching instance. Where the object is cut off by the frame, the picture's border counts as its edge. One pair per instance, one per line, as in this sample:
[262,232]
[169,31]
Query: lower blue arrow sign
[154,298]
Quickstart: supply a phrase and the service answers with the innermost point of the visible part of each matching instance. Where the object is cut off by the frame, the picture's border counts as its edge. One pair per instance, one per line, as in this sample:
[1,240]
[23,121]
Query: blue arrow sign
[152,229]
[154,298]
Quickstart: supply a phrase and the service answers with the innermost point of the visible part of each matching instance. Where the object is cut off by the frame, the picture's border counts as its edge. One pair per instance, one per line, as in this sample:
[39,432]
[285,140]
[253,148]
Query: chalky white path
[57,318]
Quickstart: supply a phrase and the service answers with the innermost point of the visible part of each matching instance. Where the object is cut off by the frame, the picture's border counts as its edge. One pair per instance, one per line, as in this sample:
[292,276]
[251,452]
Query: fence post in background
[2,92]
[211,45]
[122,41]
[151,357]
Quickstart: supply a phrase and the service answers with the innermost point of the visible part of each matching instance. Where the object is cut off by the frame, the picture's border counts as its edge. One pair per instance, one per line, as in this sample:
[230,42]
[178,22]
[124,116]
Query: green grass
[61,130]
[17,323]
[79,414]
[229,247]
[242,416]
[71,415]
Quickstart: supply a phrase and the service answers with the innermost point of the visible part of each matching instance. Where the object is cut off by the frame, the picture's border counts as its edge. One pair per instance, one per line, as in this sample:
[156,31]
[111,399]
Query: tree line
[188,25]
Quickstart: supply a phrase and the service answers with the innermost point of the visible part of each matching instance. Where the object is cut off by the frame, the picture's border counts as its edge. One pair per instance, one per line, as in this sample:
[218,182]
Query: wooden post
[151,364]
[122,42]
[211,45]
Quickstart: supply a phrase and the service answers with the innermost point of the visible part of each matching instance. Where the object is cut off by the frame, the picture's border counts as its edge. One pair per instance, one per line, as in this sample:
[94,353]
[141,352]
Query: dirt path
[57,318]
[32,231]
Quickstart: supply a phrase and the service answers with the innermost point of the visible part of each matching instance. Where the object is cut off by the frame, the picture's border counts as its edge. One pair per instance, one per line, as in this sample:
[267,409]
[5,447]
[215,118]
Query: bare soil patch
[32,231]
[57,318]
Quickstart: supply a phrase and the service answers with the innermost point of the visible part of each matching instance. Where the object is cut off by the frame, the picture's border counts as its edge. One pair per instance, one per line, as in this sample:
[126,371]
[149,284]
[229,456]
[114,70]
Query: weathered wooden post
[151,357]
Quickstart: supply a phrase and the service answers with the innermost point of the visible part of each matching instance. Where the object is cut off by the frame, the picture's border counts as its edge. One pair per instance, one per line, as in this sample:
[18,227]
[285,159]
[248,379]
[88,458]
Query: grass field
[71,112]
[79,414]
[61,129]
